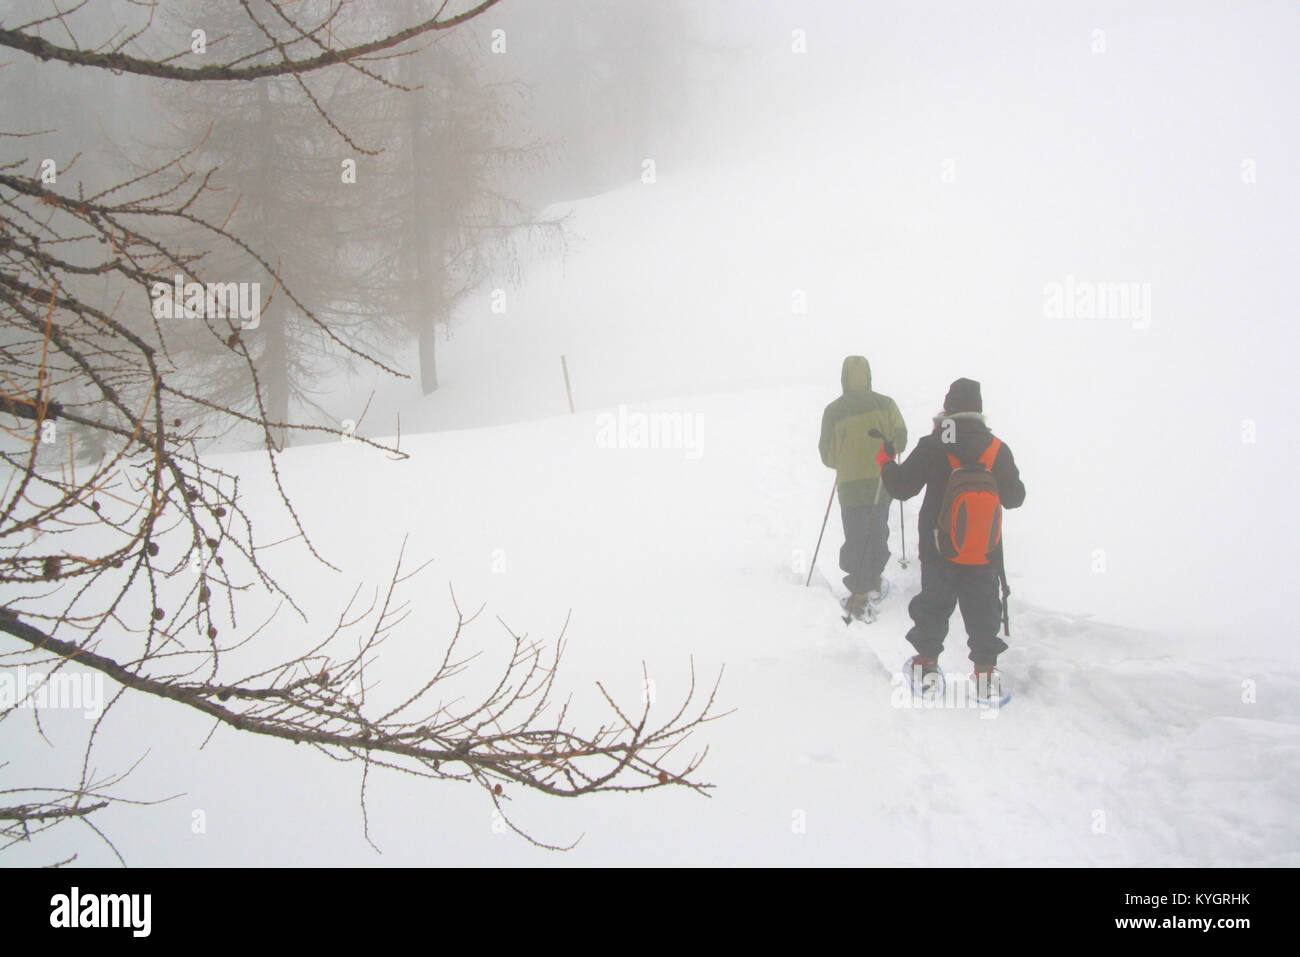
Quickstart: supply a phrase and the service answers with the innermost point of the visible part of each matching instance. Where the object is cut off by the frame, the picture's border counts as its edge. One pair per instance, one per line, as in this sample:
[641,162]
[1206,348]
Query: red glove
[886,454]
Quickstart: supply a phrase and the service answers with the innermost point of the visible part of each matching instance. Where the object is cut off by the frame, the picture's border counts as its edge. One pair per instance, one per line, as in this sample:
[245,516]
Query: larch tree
[144,567]
[458,223]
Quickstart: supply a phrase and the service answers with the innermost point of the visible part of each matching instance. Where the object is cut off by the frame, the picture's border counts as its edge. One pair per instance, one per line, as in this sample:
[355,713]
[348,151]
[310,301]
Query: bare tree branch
[127,554]
[282,65]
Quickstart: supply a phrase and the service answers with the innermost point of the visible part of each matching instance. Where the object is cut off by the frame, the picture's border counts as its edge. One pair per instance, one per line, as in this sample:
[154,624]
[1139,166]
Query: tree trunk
[426,262]
[432,268]
[428,357]
[273,364]
[274,371]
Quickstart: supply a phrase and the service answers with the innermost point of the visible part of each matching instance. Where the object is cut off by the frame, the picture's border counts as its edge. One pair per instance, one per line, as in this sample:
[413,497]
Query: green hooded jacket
[845,445]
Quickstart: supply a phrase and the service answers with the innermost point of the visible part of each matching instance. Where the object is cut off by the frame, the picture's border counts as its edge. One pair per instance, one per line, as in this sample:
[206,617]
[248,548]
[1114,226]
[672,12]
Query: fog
[454,268]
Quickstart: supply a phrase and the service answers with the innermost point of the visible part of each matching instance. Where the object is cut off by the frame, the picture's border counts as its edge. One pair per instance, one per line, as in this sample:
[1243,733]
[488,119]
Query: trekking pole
[902,531]
[813,563]
[866,539]
[1006,591]
[902,526]
[880,483]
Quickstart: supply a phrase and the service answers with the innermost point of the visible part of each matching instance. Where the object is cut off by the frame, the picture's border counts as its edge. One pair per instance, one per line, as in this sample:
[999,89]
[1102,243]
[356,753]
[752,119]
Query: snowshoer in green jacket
[847,446]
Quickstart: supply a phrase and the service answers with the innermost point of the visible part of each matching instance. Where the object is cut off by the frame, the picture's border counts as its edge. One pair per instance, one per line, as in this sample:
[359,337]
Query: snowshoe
[989,689]
[857,608]
[878,595]
[924,677]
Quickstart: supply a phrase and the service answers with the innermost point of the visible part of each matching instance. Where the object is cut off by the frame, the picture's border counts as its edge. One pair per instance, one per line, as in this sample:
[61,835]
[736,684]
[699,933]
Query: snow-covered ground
[1122,746]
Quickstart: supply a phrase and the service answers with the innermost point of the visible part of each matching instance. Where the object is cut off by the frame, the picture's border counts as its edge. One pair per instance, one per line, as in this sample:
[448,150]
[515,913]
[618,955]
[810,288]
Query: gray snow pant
[944,586]
[866,545]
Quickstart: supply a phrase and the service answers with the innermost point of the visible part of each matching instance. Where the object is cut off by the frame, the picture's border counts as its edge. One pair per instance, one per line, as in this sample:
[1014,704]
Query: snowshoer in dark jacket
[847,447]
[960,430]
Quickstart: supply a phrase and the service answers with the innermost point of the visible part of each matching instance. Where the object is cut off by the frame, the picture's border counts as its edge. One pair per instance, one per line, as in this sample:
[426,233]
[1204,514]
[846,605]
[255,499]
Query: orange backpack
[970,519]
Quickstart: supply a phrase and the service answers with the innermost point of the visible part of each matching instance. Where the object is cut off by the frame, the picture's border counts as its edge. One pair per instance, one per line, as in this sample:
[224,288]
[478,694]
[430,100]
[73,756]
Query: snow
[1156,716]
[661,557]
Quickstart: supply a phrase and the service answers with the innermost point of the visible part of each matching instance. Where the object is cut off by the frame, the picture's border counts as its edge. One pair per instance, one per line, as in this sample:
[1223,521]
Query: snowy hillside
[1143,735]
[1156,717]
[1126,431]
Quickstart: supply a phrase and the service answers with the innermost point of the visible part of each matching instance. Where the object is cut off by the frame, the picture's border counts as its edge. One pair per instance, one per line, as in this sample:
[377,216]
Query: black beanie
[963,396]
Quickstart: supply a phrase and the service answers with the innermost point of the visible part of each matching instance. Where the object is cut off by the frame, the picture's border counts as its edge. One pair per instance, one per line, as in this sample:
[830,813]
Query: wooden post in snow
[565,366]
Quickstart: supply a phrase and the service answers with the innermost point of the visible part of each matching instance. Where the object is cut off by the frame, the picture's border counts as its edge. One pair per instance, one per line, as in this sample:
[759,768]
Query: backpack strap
[991,454]
[986,459]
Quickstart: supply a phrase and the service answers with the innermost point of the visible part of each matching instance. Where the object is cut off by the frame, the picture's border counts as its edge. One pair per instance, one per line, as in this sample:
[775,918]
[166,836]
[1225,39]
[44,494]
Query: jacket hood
[970,431]
[855,375]
[977,420]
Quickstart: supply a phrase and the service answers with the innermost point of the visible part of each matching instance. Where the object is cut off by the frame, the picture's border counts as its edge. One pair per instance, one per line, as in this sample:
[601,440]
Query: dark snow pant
[944,586]
[866,546]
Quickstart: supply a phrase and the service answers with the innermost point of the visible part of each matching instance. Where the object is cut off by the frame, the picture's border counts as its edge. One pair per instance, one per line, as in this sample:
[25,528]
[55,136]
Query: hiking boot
[879,593]
[989,687]
[923,675]
[856,605]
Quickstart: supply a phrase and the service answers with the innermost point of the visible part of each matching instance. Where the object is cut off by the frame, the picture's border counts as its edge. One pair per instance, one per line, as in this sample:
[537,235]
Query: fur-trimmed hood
[961,417]
[963,434]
